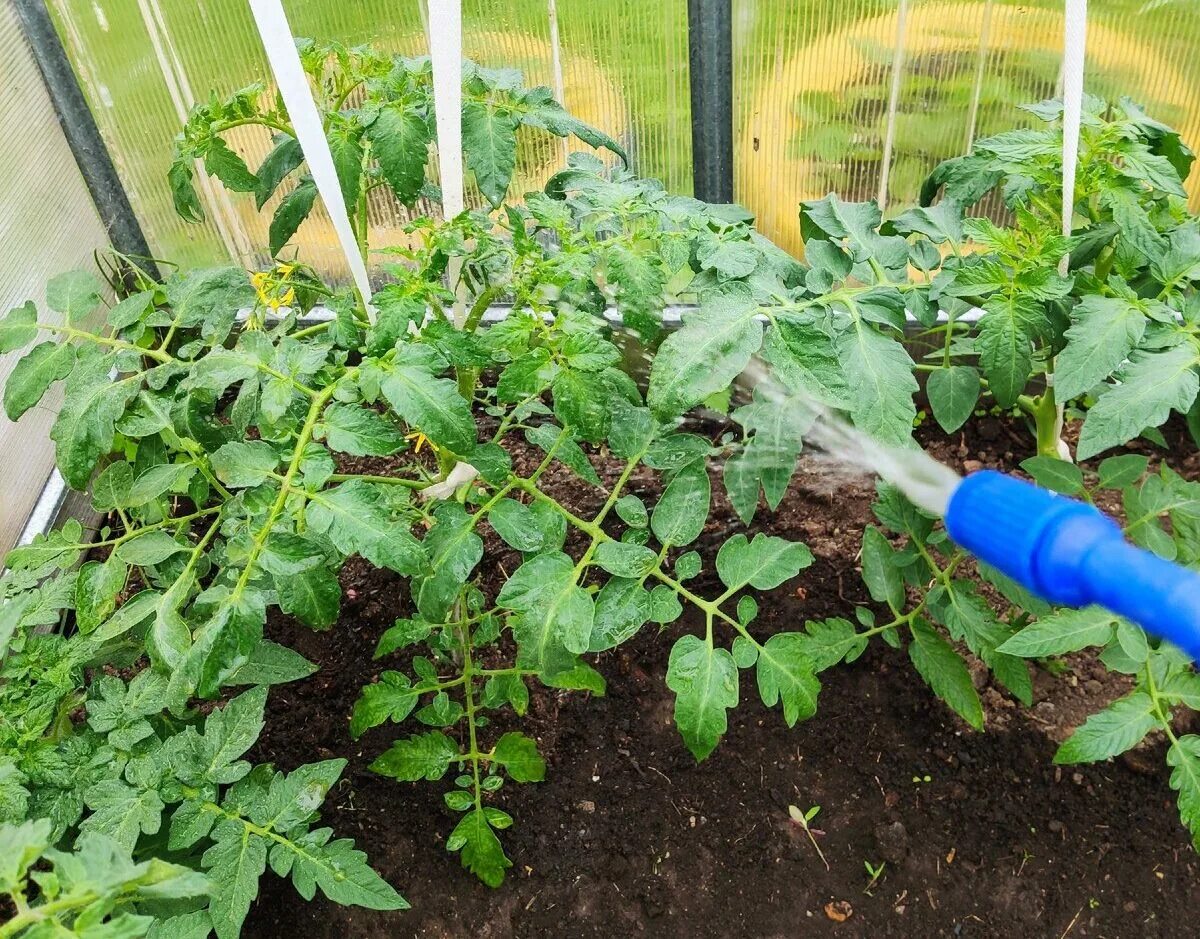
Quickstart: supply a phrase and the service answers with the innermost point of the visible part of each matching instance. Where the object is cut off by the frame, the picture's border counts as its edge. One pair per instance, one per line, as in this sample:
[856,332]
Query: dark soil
[980,833]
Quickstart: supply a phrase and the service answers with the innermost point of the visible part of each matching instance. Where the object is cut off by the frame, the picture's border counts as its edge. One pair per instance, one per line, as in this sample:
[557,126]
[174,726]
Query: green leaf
[340,870]
[33,375]
[292,210]
[454,550]
[244,464]
[313,596]
[400,142]
[285,156]
[853,226]
[183,190]
[390,698]
[272,664]
[769,458]
[358,431]
[944,671]
[1054,474]
[1184,759]
[764,563]
[346,147]
[518,754]
[431,405]
[132,309]
[705,682]
[881,574]
[481,851]
[75,294]
[358,518]
[704,356]
[622,559]
[422,756]
[157,480]
[1152,385]
[828,642]
[489,138]
[804,359]
[234,864]
[939,223]
[122,812]
[131,613]
[785,672]
[546,590]
[146,550]
[679,517]
[1061,632]
[632,511]
[1114,730]
[880,382]
[1005,344]
[228,167]
[84,430]
[1104,331]
[568,452]
[19,328]
[96,591]
[1117,472]
[953,393]
[622,608]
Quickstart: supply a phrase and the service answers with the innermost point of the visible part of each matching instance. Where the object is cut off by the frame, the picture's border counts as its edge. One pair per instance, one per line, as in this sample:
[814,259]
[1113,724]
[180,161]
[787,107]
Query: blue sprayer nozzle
[1071,553]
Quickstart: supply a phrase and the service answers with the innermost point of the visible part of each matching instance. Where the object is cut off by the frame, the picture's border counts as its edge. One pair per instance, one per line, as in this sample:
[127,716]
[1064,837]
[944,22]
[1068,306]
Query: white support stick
[280,46]
[445,49]
[1074,50]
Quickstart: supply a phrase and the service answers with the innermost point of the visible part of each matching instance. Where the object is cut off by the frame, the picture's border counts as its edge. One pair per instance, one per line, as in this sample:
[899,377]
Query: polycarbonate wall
[47,225]
[859,96]
[864,97]
[144,63]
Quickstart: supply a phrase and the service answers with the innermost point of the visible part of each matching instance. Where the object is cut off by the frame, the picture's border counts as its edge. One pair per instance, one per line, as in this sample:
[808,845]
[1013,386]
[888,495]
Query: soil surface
[980,834]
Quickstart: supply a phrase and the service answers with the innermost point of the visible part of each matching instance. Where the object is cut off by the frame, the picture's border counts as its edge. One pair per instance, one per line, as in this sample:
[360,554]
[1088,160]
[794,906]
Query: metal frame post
[710,59]
[83,136]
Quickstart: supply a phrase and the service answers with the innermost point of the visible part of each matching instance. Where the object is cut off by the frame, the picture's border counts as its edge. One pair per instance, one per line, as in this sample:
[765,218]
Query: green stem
[72,333]
[1045,417]
[387,480]
[469,707]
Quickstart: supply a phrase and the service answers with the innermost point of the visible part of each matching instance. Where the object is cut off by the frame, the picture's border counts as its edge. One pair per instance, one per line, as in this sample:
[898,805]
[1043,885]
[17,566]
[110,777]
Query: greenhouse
[535,468]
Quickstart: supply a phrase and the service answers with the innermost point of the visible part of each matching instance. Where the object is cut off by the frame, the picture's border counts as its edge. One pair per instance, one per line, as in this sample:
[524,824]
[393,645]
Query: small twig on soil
[1071,925]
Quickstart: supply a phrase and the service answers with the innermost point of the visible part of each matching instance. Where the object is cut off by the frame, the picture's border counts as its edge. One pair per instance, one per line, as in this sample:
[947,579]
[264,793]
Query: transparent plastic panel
[865,97]
[48,225]
[621,66]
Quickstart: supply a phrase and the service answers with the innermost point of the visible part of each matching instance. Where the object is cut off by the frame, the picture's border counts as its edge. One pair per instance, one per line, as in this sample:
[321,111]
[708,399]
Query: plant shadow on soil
[980,833]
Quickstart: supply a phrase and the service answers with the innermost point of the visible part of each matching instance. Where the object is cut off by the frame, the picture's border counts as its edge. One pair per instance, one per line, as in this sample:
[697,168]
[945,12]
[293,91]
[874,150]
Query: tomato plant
[242,453]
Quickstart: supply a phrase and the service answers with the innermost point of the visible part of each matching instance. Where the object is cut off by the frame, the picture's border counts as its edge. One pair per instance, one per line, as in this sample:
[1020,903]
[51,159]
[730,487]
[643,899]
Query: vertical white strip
[1074,49]
[985,36]
[280,46]
[445,49]
[889,140]
[560,89]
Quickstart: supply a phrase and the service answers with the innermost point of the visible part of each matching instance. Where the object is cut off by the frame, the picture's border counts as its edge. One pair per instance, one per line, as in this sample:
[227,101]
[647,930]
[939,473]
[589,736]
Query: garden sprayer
[1065,551]
[1070,553]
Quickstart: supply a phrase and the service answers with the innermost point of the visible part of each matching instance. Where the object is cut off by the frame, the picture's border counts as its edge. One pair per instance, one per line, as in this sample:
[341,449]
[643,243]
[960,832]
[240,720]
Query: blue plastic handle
[1072,554]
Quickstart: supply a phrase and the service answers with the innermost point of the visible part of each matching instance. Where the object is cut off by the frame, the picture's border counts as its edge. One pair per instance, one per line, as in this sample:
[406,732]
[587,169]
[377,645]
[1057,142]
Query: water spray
[1063,550]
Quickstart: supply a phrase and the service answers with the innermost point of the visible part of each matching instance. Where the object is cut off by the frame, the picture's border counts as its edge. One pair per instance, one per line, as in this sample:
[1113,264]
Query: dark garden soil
[980,833]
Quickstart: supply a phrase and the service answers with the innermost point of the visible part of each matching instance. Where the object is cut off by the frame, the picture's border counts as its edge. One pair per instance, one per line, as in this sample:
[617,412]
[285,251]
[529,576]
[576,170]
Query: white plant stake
[280,46]
[445,51]
[1074,49]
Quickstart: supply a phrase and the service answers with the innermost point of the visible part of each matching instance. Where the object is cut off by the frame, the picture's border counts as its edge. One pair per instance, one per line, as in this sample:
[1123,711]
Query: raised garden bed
[629,835]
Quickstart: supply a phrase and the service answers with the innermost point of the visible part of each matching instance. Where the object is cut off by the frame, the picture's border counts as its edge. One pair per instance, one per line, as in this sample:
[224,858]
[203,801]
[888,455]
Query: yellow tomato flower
[421,440]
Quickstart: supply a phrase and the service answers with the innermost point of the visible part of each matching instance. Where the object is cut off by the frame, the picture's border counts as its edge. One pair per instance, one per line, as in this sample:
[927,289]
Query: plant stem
[1046,419]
